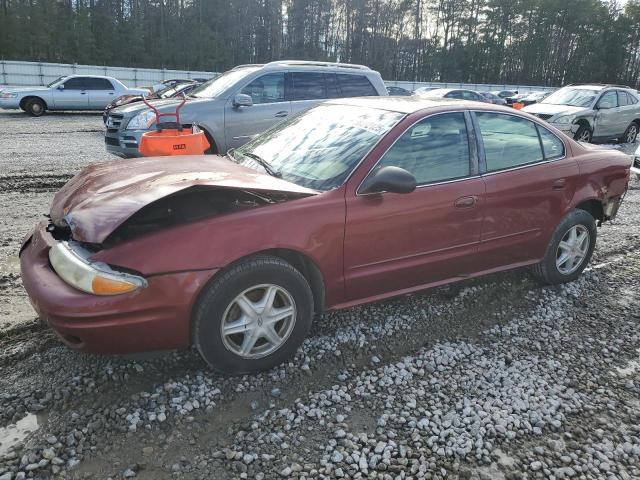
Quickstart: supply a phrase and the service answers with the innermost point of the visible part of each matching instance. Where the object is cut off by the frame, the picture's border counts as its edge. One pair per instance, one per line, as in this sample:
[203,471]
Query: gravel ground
[489,379]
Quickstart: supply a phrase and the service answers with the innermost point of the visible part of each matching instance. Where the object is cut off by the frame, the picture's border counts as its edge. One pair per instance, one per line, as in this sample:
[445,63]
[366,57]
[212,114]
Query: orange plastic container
[518,105]
[168,142]
[171,138]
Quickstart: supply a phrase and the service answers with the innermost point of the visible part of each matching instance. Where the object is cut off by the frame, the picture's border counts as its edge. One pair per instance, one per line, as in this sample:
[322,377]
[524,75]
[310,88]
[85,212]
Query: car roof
[91,76]
[412,104]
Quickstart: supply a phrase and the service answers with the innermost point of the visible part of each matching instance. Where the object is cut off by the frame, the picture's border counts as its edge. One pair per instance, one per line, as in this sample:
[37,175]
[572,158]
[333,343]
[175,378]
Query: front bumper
[152,318]
[567,128]
[10,103]
[123,143]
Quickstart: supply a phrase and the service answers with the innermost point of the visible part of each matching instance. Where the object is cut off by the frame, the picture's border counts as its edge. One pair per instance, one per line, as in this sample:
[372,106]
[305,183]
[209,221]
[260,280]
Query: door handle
[83,93]
[465,202]
[559,184]
[282,114]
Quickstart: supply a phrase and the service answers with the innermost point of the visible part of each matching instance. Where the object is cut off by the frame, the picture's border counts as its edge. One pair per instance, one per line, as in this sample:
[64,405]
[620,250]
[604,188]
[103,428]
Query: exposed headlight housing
[8,95]
[70,262]
[564,119]
[142,121]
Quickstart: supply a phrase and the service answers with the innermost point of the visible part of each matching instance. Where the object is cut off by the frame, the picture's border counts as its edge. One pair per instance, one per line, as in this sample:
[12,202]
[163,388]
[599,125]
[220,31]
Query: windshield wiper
[263,163]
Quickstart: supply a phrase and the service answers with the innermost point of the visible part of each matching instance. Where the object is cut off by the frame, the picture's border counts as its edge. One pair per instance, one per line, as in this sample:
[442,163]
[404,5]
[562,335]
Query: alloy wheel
[572,250]
[632,133]
[585,136]
[258,321]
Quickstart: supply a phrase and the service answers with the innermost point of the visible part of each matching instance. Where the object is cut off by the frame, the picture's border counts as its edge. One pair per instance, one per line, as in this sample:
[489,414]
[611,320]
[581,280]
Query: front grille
[543,116]
[114,122]
[112,141]
[636,162]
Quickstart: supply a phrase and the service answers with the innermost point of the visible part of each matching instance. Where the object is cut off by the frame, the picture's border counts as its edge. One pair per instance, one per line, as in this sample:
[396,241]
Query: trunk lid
[103,196]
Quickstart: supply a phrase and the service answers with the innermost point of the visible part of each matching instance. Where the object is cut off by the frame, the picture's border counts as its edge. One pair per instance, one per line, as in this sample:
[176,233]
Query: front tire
[583,134]
[253,317]
[35,107]
[570,249]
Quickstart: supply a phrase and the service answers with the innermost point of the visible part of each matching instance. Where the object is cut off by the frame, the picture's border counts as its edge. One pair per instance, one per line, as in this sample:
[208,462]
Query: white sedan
[74,92]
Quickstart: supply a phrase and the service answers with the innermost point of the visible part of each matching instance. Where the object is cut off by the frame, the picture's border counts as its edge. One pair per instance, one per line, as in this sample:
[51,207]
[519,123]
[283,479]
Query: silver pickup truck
[245,101]
[73,92]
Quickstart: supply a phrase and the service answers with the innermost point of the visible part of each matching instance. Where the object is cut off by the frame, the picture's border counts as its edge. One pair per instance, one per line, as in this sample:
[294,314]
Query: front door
[269,107]
[607,116]
[73,95]
[396,242]
[529,185]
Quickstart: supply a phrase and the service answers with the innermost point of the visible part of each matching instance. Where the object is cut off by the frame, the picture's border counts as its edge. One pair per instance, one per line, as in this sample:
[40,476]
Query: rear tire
[35,107]
[631,133]
[235,326]
[583,134]
[573,241]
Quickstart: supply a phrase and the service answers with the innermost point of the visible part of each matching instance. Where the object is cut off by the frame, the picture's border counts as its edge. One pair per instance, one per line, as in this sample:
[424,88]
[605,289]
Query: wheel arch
[300,261]
[593,206]
[24,100]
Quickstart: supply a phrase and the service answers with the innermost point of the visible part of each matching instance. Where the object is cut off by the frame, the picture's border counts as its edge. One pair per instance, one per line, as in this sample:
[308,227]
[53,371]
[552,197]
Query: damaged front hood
[103,196]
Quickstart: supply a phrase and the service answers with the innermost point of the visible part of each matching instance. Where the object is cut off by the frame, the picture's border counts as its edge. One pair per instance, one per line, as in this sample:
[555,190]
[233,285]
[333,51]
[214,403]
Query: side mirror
[60,87]
[604,105]
[389,179]
[242,100]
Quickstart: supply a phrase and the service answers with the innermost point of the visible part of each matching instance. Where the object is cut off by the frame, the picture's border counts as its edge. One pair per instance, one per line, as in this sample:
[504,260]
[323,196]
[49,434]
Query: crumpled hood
[551,109]
[103,196]
[163,105]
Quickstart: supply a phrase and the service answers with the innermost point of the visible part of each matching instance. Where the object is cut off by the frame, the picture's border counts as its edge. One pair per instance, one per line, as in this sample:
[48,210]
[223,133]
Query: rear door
[73,96]
[307,89]
[101,92]
[530,183]
[627,110]
[396,242]
[269,107]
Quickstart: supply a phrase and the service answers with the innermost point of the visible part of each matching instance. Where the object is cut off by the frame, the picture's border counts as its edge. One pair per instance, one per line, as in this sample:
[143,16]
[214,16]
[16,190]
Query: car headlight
[564,120]
[72,265]
[8,95]
[142,121]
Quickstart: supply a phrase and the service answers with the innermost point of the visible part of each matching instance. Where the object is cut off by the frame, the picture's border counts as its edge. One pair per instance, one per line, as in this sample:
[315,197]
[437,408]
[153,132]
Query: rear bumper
[153,318]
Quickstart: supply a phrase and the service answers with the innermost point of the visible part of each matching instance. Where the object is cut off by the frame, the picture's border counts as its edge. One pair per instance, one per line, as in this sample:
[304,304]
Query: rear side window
[552,146]
[623,99]
[433,150]
[509,141]
[308,85]
[98,84]
[76,83]
[633,100]
[266,89]
[355,85]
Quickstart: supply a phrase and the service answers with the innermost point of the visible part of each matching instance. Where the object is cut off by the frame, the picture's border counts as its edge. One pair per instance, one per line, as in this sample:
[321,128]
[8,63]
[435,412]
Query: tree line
[543,42]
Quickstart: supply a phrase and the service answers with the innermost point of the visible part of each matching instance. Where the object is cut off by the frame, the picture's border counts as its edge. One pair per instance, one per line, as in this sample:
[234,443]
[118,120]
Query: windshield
[573,97]
[170,91]
[56,81]
[216,86]
[319,148]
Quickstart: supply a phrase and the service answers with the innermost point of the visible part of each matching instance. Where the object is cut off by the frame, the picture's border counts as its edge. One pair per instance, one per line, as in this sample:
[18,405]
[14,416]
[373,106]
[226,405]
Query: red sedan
[350,202]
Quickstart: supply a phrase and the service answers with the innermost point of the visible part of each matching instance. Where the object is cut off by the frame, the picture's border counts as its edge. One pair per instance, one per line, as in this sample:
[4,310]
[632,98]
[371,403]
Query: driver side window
[266,89]
[433,150]
[608,100]
[76,83]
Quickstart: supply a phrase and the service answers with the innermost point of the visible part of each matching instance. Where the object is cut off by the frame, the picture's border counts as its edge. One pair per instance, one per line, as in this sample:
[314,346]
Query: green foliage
[547,42]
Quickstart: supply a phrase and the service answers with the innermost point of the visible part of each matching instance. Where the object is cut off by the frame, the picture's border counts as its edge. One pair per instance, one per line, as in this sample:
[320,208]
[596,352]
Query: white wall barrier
[36,73]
